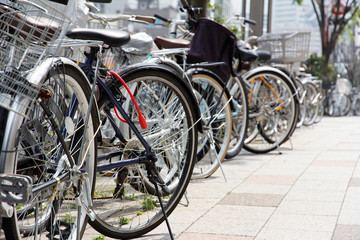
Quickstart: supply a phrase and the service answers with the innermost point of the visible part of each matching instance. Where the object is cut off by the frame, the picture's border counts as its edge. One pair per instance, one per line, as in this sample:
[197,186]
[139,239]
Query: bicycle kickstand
[157,181]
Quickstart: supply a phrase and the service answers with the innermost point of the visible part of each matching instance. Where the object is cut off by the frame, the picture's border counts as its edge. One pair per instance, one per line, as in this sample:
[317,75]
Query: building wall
[290,17]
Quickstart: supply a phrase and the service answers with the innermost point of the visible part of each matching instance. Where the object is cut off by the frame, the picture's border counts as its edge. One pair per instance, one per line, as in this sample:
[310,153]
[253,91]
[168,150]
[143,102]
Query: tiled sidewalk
[309,192]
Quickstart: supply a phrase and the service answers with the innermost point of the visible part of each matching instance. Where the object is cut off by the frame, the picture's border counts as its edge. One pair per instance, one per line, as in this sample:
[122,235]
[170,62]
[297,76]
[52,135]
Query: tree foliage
[332,20]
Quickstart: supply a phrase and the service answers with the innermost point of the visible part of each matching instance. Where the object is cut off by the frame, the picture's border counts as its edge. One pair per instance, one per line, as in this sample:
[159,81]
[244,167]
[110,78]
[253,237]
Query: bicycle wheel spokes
[125,200]
[216,118]
[52,211]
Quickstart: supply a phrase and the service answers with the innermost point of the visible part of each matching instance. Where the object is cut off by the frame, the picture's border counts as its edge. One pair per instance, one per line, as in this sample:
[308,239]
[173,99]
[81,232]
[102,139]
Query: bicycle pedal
[15,188]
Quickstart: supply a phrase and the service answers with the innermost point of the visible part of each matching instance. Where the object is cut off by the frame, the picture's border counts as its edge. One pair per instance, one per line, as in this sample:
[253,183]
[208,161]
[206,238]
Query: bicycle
[170,140]
[272,98]
[181,142]
[48,138]
[214,99]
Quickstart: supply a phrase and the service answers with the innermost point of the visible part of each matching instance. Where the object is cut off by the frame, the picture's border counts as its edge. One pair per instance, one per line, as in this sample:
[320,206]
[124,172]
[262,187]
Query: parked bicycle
[156,161]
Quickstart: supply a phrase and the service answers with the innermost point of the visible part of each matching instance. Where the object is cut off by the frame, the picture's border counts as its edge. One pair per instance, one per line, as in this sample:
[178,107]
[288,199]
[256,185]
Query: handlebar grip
[161,18]
[250,21]
[64,2]
[146,19]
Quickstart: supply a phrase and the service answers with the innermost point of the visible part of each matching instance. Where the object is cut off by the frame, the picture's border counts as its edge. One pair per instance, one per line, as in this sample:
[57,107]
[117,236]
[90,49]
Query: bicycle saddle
[113,38]
[263,55]
[162,42]
[247,55]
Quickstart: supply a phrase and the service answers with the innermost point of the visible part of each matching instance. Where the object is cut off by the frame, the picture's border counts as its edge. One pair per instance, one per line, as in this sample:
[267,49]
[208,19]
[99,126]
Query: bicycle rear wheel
[35,150]
[124,201]
[273,112]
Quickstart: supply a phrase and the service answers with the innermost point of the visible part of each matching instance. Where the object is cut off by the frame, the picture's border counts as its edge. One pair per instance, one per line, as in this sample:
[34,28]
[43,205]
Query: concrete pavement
[309,192]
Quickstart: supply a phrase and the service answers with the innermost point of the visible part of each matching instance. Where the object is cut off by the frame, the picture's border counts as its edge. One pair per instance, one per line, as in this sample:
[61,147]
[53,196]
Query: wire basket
[28,35]
[286,47]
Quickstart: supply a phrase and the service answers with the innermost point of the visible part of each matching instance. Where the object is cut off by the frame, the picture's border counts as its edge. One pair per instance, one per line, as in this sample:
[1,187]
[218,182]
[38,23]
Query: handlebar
[130,18]
[145,19]
[250,21]
[164,19]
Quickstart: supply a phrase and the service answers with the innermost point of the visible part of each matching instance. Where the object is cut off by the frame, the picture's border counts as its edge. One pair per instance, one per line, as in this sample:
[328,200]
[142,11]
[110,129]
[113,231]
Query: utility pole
[257,14]
[269,16]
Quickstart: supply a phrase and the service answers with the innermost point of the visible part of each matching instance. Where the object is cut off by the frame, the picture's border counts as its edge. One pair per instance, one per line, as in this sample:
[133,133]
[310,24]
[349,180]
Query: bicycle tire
[41,156]
[214,141]
[311,107]
[355,106]
[240,115]
[302,106]
[130,208]
[273,112]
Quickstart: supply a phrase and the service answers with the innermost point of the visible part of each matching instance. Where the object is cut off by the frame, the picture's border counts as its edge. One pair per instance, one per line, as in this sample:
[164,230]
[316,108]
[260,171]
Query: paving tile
[262,188]
[271,179]
[329,170]
[333,163]
[302,222]
[346,232]
[347,146]
[338,156]
[349,216]
[197,189]
[354,182]
[329,176]
[202,236]
[282,234]
[315,195]
[319,185]
[309,208]
[233,220]
[251,199]
[356,172]
[352,198]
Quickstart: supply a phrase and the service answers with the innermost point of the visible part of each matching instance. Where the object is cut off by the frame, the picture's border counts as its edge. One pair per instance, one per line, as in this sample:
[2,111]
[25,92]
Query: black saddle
[113,38]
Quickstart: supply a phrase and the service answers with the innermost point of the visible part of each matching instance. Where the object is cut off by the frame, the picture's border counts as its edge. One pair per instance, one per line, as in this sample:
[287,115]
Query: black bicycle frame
[148,155]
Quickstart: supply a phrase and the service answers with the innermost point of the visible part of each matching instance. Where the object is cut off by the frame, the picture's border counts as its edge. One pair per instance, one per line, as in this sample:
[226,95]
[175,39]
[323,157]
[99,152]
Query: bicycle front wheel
[125,200]
[216,117]
[53,212]
[240,115]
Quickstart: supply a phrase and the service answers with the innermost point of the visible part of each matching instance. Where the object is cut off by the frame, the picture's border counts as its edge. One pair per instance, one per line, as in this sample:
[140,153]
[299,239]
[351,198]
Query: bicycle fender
[42,70]
[196,70]
[275,71]
[169,70]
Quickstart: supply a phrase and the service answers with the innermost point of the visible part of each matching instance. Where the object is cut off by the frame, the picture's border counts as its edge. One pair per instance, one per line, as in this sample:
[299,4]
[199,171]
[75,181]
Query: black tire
[311,106]
[273,111]
[124,201]
[356,105]
[302,107]
[40,156]
[240,115]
